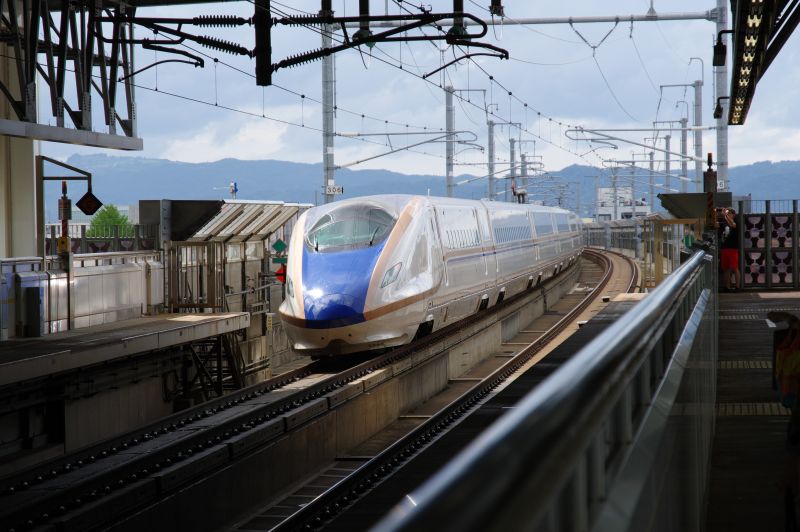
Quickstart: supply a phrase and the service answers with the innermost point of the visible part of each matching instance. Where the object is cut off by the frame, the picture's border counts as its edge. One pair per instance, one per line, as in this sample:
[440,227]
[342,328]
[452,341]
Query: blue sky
[552,69]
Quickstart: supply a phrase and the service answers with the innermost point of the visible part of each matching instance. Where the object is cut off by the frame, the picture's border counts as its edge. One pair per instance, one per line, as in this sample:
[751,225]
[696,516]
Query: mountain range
[125,180]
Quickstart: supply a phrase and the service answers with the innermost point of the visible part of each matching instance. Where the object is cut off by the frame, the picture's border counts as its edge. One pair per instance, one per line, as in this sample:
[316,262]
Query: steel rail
[571,399]
[346,492]
[231,431]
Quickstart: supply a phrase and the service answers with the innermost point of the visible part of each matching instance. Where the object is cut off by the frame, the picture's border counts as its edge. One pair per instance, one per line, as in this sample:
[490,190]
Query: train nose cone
[333,310]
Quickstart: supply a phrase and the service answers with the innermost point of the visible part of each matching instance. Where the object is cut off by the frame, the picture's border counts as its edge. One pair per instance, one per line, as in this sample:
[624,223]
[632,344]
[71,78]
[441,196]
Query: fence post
[84,244]
[768,244]
[795,277]
[115,246]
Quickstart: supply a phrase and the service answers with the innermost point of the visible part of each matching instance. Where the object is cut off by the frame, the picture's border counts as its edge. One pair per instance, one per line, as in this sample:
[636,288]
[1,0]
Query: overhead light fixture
[720,50]
[718,109]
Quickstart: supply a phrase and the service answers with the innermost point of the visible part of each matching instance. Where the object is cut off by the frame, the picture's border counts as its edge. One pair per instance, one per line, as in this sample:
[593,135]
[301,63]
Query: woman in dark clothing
[729,253]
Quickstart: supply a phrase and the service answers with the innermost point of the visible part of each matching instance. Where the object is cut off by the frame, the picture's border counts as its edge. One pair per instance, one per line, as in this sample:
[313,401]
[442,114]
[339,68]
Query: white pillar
[20,201]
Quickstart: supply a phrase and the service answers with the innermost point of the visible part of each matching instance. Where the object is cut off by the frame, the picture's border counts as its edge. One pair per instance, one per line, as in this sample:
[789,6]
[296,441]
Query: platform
[748,464]
[32,358]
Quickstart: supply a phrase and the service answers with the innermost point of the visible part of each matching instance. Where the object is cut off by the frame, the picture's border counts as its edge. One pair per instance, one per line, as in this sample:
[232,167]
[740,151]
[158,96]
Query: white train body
[373,272]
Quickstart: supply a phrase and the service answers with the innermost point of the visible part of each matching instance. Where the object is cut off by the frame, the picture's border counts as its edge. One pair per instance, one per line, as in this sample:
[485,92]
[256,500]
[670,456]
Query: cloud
[255,139]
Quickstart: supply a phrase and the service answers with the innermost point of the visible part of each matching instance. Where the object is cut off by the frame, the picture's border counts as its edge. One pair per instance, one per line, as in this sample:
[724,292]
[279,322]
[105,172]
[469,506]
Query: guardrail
[602,443]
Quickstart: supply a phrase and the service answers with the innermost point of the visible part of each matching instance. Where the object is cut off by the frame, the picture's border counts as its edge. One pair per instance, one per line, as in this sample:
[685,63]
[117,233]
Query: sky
[554,69]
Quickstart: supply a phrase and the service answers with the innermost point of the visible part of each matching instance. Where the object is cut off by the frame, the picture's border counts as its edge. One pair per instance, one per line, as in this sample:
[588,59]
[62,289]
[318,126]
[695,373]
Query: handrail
[525,447]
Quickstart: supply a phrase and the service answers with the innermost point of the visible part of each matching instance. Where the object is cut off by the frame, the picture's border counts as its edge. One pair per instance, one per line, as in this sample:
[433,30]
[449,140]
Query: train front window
[350,227]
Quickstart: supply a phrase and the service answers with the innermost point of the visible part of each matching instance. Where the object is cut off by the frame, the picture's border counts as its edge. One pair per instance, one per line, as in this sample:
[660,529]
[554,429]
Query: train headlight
[391,275]
[289,286]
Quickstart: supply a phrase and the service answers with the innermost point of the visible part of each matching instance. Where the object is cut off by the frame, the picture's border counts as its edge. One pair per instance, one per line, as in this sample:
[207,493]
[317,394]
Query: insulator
[223,46]
[294,60]
[219,20]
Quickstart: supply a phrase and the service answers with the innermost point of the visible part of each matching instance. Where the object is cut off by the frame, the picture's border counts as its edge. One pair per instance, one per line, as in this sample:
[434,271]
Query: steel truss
[70,41]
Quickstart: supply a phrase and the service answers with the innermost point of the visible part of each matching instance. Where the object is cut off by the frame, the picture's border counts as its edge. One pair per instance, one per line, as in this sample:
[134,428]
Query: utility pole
[614,192]
[450,125]
[633,193]
[698,135]
[721,79]
[328,89]
[490,192]
[652,186]
[667,138]
[524,170]
[684,153]
[513,163]
[578,200]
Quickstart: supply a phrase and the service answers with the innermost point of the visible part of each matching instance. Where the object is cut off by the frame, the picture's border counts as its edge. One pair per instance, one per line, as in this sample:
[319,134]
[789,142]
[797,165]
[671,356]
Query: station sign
[279,246]
[89,204]
[334,189]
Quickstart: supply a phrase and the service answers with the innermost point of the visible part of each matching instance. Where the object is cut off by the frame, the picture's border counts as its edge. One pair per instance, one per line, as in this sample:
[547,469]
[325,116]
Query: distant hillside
[125,180]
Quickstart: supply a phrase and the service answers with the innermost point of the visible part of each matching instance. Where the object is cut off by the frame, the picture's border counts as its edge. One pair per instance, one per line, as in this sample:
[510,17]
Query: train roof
[398,201]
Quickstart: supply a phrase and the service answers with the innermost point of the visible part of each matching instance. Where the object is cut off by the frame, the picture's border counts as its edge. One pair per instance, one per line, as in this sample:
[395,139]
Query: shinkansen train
[378,271]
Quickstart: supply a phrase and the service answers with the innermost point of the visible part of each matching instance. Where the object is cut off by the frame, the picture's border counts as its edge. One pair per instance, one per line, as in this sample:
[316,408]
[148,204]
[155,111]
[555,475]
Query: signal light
[280,275]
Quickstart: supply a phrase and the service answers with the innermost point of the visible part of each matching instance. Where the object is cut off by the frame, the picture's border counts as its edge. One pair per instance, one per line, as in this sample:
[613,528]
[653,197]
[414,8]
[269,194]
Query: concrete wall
[111,412]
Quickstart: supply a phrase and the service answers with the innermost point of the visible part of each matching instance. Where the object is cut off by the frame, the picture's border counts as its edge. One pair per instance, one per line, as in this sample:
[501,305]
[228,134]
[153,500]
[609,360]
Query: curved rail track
[329,504]
[90,489]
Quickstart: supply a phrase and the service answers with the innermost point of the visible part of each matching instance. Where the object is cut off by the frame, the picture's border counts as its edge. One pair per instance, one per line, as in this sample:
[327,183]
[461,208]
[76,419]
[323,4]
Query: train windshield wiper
[372,238]
[316,243]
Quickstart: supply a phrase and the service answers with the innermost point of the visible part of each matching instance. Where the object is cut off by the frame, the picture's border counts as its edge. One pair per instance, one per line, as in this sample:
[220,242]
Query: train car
[377,271]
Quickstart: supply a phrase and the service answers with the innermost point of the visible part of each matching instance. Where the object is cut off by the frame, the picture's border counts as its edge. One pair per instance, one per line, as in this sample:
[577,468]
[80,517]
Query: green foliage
[105,220]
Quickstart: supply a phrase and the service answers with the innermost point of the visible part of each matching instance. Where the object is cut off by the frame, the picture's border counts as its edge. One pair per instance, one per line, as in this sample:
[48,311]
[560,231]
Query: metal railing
[104,239]
[600,444]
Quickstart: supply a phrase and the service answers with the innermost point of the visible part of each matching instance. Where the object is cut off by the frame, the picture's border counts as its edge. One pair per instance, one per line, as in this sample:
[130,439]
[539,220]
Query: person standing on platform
[729,252]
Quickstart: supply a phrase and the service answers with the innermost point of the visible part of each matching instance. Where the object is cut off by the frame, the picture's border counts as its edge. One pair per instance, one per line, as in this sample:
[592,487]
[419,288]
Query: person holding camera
[729,250]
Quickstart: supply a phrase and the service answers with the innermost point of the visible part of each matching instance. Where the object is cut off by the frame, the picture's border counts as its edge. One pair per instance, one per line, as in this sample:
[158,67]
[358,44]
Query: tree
[106,219]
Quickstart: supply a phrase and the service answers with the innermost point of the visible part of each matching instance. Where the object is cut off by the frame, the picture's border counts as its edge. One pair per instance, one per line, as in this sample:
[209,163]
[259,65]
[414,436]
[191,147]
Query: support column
[327,105]
[490,166]
[721,80]
[668,164]
[21,200]
[450,124]
[524,171]
[684,153]
[652,186]
[614,193]
[698,135]
[513,164]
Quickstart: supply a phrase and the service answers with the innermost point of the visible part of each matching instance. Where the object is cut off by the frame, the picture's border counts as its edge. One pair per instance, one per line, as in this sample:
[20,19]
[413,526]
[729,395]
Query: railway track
[93,488]
[328,500]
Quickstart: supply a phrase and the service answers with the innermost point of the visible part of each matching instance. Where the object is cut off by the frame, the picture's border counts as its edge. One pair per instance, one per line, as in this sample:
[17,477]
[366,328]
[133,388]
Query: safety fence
[768,249]
[602,442]
[659,244]
[104,239]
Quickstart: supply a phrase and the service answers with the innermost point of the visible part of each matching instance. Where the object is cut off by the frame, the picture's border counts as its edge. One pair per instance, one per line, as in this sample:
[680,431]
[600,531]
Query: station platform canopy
[247,221]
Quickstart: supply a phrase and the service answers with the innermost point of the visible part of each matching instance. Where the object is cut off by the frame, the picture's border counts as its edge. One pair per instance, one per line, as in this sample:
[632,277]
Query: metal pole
[614,191]
[684,153]
[698,135]
[524,170]
[490,192]
[721,79]
[667,138]
[513,163]
[633,194]
[578,200]
[327,106]
[450,123]
[496,21]
[652,186]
